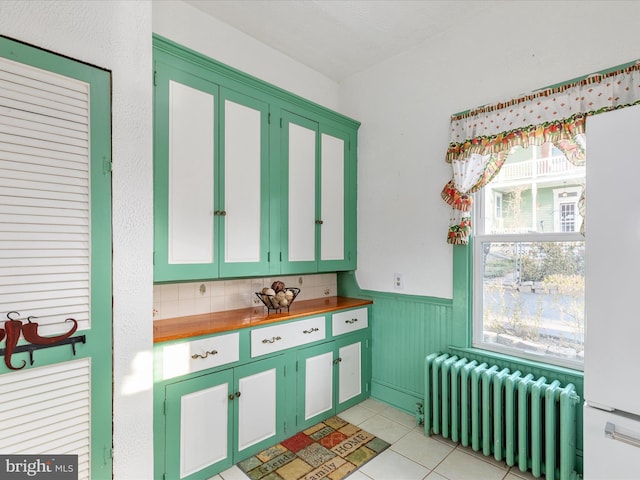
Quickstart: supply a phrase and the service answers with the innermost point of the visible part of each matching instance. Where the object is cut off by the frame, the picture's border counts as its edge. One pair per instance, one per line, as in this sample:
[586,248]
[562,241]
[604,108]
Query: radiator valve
[419,414]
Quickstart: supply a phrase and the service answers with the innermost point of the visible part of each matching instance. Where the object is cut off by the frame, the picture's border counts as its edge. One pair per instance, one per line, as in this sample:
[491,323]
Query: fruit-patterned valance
[481,139]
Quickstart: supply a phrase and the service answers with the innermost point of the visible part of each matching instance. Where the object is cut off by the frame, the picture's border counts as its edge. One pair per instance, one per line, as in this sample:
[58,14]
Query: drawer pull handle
[314,329]
[206,354]
[273,340]
[610,432]
[353,320]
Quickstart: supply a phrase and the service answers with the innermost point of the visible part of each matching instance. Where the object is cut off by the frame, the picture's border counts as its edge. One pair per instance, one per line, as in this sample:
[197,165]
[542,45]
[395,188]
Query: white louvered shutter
[44,196]
[45,410]
[45,254]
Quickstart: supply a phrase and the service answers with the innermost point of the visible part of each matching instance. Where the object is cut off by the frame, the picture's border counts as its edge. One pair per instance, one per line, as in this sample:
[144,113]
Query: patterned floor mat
[331,449]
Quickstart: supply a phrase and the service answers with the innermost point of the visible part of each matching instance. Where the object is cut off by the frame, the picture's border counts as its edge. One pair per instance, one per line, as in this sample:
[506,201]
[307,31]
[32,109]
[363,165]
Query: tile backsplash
[182,299]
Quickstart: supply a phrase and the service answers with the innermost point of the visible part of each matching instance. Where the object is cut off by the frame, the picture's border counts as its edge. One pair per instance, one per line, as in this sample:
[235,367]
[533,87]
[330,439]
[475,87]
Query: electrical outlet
[398,282]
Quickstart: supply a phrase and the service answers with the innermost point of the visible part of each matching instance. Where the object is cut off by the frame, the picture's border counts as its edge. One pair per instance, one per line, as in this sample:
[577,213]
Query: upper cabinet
[318,210]
[249,180]
[211,179]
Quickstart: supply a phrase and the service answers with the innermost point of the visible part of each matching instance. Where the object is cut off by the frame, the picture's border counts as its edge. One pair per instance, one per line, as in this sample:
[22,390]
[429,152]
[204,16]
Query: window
[529,258]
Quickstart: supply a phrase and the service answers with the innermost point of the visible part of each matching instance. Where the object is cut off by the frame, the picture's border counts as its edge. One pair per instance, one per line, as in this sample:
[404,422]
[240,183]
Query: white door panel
[302,193]
[203,427]
[318,383]
[257,408]
[332,198]
[242,171]
[350,374]
[612,259]
[191,178]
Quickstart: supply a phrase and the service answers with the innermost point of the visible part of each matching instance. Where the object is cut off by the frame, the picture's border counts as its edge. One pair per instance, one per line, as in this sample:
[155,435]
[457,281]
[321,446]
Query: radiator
[512,416]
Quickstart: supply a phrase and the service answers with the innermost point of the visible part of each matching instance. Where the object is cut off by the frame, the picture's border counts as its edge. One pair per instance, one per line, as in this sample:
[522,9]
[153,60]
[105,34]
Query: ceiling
[341,37]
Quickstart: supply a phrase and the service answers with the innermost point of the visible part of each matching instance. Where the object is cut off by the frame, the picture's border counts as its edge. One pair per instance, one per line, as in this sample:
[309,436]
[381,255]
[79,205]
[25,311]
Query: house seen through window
[529,258]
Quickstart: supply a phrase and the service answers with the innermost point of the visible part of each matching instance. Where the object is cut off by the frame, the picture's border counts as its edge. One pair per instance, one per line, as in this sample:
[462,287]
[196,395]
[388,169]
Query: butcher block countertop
[216,322]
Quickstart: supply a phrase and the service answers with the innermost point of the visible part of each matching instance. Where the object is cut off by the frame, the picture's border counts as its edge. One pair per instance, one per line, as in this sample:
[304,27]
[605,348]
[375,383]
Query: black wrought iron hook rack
[32,347]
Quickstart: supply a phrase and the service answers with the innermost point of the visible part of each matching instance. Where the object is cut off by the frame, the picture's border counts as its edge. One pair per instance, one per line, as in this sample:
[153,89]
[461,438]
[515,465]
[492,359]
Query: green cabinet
[249,180]
[211,179]
[214,420]
[335,375]
[331,378]
[221,398]
[318,211]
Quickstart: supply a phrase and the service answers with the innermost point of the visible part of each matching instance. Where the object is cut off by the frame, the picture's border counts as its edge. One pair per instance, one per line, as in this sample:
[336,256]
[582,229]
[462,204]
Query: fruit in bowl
[278,296]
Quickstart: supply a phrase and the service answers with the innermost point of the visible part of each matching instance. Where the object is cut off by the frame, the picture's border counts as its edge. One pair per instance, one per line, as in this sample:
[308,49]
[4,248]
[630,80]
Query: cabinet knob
[337,361]
[237,394]
[231,397]
[319,222]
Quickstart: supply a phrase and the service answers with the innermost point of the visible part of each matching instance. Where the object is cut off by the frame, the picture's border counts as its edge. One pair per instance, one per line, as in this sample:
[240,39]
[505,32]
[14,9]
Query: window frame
[477,286]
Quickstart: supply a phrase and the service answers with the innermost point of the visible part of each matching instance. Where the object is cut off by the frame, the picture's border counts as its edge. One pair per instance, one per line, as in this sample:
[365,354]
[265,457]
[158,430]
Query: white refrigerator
[612,268]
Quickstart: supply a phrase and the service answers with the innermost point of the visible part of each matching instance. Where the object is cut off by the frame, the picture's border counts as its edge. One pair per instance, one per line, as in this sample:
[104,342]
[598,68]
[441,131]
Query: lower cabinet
[214,420]
[331,378]
[220,399]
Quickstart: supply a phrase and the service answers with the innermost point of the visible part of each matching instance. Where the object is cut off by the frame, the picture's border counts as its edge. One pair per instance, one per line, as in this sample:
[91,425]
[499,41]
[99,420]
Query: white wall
[116,35]
[405,104]
[191,28]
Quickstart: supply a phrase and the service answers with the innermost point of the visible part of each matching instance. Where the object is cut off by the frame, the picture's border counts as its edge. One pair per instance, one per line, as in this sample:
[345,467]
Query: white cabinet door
[198,419]
[259,403]
[191,174]
[257,408]
[242,135]
[301,201]
[244,210]
[203,412]
[332,197]
[350,371]
[316,377]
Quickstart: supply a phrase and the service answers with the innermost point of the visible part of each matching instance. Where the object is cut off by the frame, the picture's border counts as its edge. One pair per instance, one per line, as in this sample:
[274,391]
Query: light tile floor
[412,455]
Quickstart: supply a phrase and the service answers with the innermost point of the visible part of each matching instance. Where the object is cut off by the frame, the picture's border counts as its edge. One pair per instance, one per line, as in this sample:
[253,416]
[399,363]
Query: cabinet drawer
[188,357]
[350,321]
[280,337]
